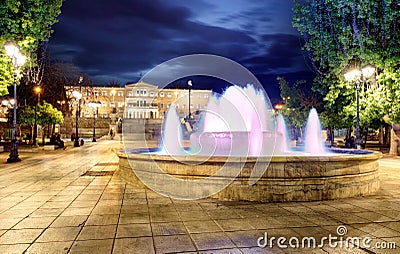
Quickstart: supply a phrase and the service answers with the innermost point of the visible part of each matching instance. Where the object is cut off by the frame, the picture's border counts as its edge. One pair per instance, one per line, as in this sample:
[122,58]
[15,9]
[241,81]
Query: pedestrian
[112,133]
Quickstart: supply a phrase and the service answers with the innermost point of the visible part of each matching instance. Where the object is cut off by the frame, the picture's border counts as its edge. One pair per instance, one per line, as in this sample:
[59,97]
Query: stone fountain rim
[140,154]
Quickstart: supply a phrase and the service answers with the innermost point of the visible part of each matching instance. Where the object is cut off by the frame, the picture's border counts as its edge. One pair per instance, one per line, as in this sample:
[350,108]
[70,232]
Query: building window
[161,94]
[144,92]
[120,104]
[120,93]
[151,94]
[112,104]
[104,93]
[161,105]
[205,95]
[144,103]
[137,92]
[130,105]
[169,95]
[96,93]
[130,94]
[87,93]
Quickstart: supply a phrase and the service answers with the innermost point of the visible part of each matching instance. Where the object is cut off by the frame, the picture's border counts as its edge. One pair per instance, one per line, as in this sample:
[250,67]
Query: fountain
[313,141]
[239,153]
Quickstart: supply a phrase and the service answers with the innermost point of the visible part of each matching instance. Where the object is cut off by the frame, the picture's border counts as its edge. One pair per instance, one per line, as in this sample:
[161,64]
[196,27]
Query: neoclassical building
[141,101]
[137,101]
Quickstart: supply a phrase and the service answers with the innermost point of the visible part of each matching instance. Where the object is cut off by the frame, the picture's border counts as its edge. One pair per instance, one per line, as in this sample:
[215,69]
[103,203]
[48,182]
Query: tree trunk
[394,140]
[381,136]
[349,132]
[43,134]
[332,135]
[387,134]
[364,137]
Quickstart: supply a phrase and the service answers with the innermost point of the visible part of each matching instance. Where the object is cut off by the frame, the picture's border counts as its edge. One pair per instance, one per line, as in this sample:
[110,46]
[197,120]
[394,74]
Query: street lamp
[77,96]
[359,76]
[61,105]
[18,60]
[190,87]
[37,90]
[278,106]
[95,105]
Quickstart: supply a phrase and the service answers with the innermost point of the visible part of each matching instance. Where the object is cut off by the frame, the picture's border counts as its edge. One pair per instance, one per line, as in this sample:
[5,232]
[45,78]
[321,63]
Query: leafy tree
[298,100]
[26,115]
[344,34]
[28,22]
[46,115]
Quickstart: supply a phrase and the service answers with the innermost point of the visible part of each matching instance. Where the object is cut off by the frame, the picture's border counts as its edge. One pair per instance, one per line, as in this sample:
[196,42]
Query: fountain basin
[294,177]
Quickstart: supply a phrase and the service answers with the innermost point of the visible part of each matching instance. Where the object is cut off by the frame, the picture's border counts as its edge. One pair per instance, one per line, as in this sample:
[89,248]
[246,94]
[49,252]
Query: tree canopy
[27,22]
[344,34]
[45,114]
[298,101]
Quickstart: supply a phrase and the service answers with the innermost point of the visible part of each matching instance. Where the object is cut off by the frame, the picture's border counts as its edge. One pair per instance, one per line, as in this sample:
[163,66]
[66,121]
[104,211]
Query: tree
[56,76]
[298,100]
[46,115]
[28,22]
[345,34]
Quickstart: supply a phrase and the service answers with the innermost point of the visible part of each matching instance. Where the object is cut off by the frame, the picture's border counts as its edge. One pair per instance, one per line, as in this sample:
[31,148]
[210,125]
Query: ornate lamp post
[190,87]
[37,90]
[95,105]
[359,76]
[77,96]
[18,60]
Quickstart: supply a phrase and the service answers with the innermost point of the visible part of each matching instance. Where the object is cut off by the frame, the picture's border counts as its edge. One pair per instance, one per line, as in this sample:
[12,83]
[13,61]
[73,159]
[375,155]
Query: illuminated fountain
[240,152]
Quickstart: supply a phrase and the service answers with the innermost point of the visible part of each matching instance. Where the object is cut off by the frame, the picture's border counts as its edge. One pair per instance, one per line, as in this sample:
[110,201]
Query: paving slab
[49,205]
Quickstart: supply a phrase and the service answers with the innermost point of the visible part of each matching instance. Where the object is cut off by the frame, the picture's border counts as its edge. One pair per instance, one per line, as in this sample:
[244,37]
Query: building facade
[137,101]
[141,101]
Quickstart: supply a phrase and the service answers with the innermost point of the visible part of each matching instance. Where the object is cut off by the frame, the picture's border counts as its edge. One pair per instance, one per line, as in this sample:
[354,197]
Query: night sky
[120,40]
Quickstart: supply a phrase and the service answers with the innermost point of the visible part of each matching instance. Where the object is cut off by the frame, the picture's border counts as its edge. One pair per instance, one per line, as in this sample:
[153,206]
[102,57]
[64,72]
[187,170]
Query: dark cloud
[118,40]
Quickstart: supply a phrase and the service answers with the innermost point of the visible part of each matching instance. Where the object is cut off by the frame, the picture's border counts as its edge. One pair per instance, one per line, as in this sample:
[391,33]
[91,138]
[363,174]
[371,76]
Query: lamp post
[77,96]
[61,105]
[18,60]
[37,90]
[95,105]
[190,87]
[359,76]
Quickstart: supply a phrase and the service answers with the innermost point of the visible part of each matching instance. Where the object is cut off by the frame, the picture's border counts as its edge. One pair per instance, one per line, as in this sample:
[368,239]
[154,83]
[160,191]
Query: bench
[49,147]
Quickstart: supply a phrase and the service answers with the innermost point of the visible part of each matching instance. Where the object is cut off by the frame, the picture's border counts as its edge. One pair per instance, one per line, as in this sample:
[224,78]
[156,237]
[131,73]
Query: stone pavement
[70,201]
